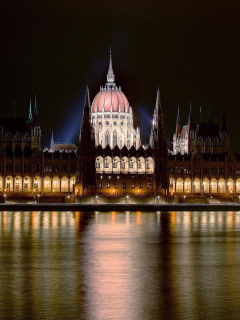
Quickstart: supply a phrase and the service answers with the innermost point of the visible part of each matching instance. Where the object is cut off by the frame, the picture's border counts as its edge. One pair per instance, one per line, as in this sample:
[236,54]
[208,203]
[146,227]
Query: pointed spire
[110,74]
[87,98]
[209,116]
[35,107]
[200,109]
[178,116]
[178,123]
[190,111]
[52,141]
[30,111]
[190,118]
[158,100]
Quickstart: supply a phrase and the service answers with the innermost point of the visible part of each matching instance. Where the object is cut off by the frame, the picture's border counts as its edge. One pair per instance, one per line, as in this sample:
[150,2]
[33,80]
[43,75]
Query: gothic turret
[190,119]
[178,124]
[158,142]
[35,113]
[86,180]
[158,134]
[30,117]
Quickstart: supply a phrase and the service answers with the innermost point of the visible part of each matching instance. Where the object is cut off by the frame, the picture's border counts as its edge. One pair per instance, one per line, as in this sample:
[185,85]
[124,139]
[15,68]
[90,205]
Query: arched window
[107,139]
[114,139]
[196,170]
[37,167]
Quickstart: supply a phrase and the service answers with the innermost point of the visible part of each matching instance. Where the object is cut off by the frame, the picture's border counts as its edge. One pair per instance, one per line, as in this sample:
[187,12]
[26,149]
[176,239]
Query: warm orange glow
[138,217]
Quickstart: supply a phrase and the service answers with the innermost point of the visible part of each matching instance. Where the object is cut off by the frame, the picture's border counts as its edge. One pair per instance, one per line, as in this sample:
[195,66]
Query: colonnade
[204,185]
[124,165]
[37,184]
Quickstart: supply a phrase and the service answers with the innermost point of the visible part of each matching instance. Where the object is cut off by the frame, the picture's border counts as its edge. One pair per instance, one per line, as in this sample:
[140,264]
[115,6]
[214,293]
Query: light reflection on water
[65,265]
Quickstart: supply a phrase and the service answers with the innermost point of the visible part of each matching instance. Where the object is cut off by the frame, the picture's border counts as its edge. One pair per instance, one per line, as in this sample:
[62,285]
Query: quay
[114,207]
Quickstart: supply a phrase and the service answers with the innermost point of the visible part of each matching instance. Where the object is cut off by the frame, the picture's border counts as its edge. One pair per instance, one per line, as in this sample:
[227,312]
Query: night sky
[53,48]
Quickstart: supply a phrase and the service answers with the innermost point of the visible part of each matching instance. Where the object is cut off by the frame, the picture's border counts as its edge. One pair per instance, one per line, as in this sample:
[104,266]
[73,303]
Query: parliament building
[109,158]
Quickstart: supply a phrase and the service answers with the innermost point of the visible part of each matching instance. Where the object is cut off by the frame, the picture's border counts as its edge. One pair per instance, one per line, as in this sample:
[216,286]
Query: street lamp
[4,198]
[128,197]
[38,198]
[96,197]
[68,198]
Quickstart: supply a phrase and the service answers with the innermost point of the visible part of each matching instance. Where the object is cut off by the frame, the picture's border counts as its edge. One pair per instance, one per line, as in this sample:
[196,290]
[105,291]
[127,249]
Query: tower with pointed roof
[158,142]
[86,180]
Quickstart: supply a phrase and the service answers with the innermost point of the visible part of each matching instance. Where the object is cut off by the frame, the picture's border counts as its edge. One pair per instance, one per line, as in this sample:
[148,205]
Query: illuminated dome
[111,116]
[110,99]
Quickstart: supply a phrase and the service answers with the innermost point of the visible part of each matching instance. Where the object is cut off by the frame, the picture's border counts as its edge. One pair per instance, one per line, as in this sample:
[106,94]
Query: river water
[72,265]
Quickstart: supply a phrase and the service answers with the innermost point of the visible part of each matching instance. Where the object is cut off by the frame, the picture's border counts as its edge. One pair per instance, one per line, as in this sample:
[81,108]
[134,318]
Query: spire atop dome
[110,74]
[52,141]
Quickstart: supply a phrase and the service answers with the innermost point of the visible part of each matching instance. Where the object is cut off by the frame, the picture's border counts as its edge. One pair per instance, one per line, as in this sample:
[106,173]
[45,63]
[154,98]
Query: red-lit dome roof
[110,99]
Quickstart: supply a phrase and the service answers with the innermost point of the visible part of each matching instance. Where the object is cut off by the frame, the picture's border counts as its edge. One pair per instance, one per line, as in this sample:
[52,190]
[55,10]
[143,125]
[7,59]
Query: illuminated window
[108,185]
[124,185]
[132,185]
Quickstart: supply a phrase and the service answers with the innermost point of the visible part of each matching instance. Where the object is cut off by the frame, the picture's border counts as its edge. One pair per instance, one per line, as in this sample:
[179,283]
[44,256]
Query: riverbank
[117,207]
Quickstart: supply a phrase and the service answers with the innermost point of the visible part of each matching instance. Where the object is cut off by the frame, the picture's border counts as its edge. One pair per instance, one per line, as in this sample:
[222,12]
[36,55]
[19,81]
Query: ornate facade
[109,158]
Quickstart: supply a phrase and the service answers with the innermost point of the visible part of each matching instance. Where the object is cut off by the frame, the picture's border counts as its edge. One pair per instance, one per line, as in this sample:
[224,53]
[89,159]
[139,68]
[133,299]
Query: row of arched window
[125,165]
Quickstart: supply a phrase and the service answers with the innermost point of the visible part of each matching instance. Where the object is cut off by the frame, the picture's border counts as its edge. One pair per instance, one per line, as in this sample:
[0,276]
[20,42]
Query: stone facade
[109,159]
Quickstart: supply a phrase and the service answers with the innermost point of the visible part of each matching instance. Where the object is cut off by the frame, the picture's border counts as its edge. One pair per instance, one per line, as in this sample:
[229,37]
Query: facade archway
[221,186]
[56,184]
[205,185]
[108,164]
[197,186]
[141,165]
[149,165]
[230,185]
[179,185]
[47,184]
[187,185]
[64,184]
[37,184]
[133,165]
[116,165]
[172,186]
[1,183]
[124,165]
[238,186]
[213,185]
[9,183]
[18,183]
[27,184]
[99,164]
[72,183]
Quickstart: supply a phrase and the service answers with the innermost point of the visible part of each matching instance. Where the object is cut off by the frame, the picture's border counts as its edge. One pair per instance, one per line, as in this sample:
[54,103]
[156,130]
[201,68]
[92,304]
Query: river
[120,265]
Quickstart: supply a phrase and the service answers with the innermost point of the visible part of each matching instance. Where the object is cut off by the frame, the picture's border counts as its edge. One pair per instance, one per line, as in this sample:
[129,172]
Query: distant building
[109,158]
